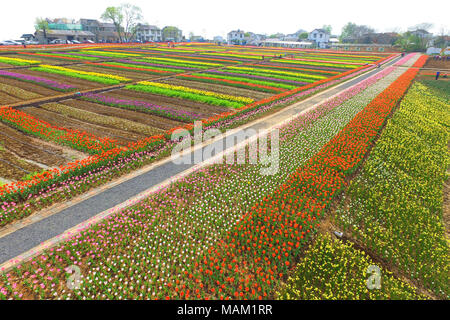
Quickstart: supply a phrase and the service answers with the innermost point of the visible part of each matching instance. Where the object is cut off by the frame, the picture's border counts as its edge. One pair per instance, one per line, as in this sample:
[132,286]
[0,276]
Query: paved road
[28,237]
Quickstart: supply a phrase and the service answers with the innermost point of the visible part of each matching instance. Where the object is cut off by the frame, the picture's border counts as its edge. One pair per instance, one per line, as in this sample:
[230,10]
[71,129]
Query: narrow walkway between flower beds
[24,237]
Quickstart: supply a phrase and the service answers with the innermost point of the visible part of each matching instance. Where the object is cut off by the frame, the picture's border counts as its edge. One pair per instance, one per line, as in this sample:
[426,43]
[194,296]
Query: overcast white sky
[217,17]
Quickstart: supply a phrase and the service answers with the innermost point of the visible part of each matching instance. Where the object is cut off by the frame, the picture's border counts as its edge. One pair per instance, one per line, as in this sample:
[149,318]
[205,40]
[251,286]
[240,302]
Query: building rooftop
[320,30]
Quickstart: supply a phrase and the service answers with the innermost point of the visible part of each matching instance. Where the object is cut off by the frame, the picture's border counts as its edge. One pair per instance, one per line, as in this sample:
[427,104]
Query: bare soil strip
[41,90]
[55,119]
[13,167]
[7,99]
[103,120]
[140,117]
[28,148]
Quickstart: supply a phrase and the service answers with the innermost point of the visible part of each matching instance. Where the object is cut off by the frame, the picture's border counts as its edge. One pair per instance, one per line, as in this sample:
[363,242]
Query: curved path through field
[23,239]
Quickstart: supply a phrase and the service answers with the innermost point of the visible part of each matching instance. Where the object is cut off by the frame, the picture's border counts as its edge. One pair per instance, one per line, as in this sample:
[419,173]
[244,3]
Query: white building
[290,37]
[438,51]
[236,37]
[320,36]
[287,44]
[219,39]
[145,32]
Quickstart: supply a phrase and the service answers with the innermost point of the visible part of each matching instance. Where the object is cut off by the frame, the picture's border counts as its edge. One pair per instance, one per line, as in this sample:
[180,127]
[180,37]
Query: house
[320,37]
[291,37]
[145,33]
[372,47]
[104,32]
[197,39]
[333,41]
[253,39]
[219,39]
[438,51]
[28,37]
[287,44]
[236,37]
[107,33]
[64,35]
[172,34]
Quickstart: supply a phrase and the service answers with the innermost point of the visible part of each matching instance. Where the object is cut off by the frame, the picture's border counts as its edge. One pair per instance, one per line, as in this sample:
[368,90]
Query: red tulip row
[76,139]
[260,250]
[421,61]
[102,150]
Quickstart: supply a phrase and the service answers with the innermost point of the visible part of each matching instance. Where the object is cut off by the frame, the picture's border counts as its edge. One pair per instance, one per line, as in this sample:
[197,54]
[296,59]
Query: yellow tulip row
[334,270]
[395,204]
[196,91]
[18,60]
[96,74]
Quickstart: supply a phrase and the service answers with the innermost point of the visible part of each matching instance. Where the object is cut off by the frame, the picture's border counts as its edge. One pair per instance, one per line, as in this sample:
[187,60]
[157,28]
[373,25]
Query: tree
[409,42]
[42,25]
[441,40]
[353,33]
[424,26]
[132,17]
[170,33]
[115,16]
[125,18]
[327,28]
[303,36]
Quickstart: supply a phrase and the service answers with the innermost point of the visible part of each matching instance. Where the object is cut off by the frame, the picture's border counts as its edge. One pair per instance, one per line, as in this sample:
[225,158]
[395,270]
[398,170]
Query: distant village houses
[148,33]
[236,37]
[320,37]
[172,34]
[100,32]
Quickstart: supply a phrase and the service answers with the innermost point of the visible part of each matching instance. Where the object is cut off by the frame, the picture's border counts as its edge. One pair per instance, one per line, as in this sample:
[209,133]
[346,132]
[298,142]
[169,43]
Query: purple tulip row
[38,80]
[146,107]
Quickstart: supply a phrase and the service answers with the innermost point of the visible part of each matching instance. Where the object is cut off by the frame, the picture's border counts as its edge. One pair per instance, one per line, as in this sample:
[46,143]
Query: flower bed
[395,205]
[256,77]
[109,54]
[315,63]
[90,76]
[182,63]
[73,138]
[207,97]
[146,69]
[17,61]
[160,65]
[233,83]
[142,106]
[333,270]
[260,249]
[281,75]
[18,92]
[38,80]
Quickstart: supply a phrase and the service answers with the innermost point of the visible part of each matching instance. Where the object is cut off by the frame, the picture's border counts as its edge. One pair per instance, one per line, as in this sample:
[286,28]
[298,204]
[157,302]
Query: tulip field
[102,105]
[369,162]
